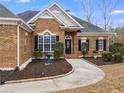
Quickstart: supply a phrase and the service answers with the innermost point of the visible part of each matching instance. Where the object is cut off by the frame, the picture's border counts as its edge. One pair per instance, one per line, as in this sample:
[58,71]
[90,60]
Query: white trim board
[6,69]
[20,67]
[56,4]
[18,20]
[25,64]
[37,15]
[18,46]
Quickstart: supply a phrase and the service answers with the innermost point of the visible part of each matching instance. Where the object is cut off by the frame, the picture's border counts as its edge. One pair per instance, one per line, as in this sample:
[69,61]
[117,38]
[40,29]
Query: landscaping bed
[38,69]
[99,61]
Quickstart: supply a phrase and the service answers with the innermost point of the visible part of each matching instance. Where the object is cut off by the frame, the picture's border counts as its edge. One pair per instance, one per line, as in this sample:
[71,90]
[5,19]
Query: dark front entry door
[68,46]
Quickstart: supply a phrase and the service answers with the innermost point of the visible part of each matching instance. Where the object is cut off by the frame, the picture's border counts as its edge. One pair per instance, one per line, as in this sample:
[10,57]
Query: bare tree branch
[88,9]
[106,7]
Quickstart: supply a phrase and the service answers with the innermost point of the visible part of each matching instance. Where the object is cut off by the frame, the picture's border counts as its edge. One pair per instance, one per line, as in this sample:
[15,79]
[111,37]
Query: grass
[112,83]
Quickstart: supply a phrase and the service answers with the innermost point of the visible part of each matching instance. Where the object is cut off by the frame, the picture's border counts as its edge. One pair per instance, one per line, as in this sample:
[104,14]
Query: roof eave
[95,34]
[17,20]
[71,28]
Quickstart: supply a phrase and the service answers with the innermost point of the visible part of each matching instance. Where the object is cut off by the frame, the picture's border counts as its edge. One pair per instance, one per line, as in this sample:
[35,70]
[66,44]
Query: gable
[56,12]
[45,14]
[65,17]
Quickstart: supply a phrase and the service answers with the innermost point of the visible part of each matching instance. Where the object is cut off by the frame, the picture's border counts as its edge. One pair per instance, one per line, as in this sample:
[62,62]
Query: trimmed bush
[107,56]
[118,57]
[37,53]
[84,49]
[60,47]
[117,47]
[56,54]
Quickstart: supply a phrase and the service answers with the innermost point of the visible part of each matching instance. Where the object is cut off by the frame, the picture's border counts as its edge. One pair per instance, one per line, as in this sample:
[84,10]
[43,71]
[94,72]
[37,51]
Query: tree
[88,9]
[106,8]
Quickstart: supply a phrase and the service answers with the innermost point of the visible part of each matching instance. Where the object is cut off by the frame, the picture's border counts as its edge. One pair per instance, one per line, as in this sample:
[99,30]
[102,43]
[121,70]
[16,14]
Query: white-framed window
[100,44]
[46,42]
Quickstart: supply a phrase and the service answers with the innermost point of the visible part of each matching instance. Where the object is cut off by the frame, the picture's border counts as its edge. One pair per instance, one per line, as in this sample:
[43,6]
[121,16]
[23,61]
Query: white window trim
[102,44]
[49,43]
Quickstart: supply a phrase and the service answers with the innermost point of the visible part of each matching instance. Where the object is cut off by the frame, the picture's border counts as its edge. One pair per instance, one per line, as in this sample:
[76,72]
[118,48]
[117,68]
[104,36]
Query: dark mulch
[99,61]
[38,69]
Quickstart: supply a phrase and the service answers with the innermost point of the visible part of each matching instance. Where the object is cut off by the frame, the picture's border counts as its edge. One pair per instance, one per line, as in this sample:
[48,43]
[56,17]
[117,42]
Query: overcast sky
[74,6]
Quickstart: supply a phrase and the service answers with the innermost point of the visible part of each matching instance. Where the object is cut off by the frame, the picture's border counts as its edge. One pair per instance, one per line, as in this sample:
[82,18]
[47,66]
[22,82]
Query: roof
[88,27]
[4,12]
[27,15]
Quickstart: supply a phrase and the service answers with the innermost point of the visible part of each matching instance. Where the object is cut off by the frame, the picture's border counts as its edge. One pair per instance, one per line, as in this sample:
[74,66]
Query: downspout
[18,47]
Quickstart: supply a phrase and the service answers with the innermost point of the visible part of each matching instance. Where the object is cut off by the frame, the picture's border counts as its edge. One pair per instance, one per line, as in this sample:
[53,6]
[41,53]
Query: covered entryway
[68,44]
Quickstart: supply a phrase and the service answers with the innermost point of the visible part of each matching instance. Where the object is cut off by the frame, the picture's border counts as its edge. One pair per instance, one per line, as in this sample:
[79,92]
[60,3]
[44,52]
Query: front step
[72,55]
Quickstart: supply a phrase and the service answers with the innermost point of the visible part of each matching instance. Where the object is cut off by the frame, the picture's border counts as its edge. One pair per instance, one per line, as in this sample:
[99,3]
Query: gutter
[95,33]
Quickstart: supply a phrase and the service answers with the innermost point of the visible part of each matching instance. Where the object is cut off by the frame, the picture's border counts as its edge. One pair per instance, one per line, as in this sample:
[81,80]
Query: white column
[18,47]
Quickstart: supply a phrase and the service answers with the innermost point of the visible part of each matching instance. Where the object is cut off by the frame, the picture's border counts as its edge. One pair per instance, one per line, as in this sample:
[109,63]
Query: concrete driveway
[84,74]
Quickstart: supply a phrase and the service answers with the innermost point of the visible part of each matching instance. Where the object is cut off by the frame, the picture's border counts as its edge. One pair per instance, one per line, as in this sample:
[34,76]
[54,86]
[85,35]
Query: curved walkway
[84,74]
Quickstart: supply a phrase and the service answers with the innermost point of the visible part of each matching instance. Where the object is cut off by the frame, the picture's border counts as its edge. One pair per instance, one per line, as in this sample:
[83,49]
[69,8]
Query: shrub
[56,54]
[107,56]
[118,57]
[117,47]
[84,49]
[60,47]
[37,53]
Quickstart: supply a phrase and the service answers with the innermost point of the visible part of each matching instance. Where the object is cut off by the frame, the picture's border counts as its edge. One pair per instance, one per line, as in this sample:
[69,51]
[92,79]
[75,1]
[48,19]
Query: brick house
[21,34]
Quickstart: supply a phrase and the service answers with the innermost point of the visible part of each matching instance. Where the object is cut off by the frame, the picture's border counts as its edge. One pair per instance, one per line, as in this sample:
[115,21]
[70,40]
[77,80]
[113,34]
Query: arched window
[46,42]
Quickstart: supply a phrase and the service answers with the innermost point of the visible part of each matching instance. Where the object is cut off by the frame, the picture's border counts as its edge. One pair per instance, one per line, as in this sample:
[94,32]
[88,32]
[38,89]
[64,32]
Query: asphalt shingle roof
[27,15]
[88,27]
[4,12]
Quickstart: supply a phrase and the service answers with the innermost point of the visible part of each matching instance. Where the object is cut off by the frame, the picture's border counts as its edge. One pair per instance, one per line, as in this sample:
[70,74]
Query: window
[100,44]
[25,42]
[46,42]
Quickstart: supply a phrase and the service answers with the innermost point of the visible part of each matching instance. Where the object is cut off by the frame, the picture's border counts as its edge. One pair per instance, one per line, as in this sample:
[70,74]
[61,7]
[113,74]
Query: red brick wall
[92,43]
[8,46]
[48,24]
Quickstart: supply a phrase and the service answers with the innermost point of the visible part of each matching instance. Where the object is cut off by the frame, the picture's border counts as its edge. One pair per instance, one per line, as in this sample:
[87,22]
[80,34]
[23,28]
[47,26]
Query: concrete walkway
[84,74]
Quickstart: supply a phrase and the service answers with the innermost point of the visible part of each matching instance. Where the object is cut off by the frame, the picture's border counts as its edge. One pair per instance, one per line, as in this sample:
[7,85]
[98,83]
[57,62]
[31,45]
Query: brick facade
[8,46]
[92,43]
[48,24]
[25,54]
[8,41]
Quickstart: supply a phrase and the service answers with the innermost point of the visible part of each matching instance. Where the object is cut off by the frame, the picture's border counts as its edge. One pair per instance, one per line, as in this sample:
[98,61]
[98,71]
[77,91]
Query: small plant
[56,54]
[60,47]
[95,53]
[37,53]
[84,49]
[118,57]
[107,56]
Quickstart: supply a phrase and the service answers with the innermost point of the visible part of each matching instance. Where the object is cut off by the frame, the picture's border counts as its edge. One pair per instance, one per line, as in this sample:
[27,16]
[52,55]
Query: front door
[68,46]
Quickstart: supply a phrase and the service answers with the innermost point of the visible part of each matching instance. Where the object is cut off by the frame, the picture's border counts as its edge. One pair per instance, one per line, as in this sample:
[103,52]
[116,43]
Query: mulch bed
[38,69]
[99,61]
